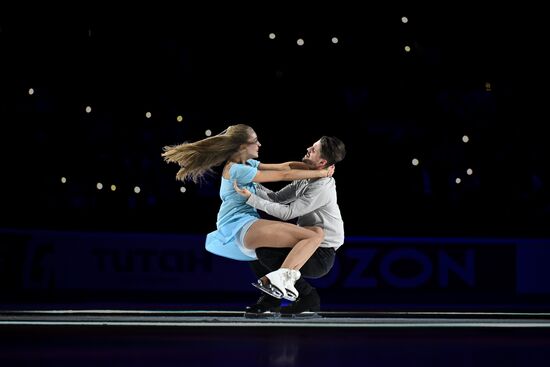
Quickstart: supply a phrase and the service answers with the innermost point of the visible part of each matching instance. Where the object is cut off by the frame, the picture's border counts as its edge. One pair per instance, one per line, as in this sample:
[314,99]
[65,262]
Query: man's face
[313,156]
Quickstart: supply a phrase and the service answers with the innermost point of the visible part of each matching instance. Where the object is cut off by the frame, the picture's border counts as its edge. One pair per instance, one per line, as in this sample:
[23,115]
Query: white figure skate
[281,284]
[276,286]
[290,278]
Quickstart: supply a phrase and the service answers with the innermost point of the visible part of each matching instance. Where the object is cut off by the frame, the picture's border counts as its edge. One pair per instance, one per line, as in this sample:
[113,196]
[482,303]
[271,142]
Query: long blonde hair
[197,159]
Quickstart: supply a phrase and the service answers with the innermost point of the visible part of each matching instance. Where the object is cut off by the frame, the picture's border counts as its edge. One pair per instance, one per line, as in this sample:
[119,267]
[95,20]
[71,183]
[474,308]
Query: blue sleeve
[254,163]
[243,173]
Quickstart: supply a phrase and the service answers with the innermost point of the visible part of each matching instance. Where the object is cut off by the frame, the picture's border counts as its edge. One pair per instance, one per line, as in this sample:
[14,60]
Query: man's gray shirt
[312,201]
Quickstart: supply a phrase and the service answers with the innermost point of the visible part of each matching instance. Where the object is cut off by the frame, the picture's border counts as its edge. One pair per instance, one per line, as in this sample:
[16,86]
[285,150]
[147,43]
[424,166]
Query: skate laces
[291,276]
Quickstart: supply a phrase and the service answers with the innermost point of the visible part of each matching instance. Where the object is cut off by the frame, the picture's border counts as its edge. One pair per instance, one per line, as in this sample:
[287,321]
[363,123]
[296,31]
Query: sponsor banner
[50,260]
[115,261]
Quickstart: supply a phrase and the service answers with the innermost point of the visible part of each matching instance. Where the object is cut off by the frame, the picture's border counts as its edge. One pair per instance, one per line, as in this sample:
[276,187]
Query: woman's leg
[302,253]
[303,243]
[270,233]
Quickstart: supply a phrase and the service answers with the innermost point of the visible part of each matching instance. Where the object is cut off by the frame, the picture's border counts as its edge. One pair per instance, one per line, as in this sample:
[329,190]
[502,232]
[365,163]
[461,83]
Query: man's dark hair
[332,149]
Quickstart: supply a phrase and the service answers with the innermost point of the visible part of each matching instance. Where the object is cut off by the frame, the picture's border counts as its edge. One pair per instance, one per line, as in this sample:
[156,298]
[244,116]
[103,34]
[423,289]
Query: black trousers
[271,259]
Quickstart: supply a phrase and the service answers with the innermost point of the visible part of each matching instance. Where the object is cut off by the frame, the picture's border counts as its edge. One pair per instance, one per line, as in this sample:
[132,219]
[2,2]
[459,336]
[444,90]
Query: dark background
[471,72]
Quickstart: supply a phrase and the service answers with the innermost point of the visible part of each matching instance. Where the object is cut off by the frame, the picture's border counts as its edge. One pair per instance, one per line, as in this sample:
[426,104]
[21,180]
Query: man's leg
[270,259]
[318,265]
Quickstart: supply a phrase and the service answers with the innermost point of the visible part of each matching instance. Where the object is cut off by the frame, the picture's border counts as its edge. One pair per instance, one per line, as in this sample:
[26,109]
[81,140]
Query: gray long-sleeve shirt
[312,201]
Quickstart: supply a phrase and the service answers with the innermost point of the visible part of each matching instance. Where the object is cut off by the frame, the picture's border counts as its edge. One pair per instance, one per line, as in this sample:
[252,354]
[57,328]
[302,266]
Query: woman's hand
[243,192]
[330,171]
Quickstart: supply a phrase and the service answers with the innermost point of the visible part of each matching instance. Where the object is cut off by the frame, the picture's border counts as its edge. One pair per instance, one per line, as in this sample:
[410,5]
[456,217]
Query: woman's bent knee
[319,233]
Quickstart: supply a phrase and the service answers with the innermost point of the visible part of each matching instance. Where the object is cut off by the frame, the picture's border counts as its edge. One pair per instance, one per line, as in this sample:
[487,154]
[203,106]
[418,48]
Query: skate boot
[290,278]
[305,306]
[275,286]
[265,307]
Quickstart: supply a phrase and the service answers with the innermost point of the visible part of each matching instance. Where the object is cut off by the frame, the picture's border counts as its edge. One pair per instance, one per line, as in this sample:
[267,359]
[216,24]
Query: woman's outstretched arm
[282,166]
[292,174]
